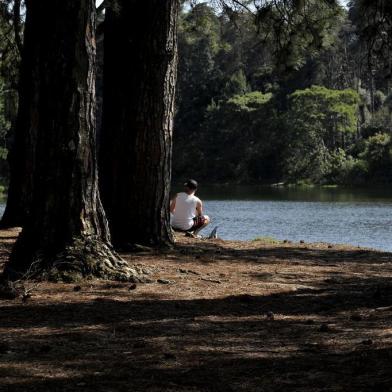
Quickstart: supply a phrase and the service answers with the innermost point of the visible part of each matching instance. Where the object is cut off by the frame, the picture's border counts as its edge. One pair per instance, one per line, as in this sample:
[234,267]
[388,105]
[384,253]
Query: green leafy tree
[378,155]
[240,141]
[320,121]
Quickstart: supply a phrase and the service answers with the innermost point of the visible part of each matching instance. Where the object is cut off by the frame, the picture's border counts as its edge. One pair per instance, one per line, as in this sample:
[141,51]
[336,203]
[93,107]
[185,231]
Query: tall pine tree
[66,230]
[139,91]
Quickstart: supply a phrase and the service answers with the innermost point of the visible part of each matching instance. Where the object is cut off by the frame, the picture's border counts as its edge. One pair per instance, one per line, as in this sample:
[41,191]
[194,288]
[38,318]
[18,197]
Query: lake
[334,215]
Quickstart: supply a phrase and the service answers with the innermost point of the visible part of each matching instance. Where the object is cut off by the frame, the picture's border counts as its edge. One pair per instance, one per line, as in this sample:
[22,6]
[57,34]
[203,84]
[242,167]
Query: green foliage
[377,147]
[233,140]
[287,99]
[300,92]
[373,19]
[236,84]
[249,102]
[299,29]
[334,111]
[320,121]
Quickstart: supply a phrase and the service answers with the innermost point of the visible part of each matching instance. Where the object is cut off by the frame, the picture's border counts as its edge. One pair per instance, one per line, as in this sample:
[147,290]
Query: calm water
[356,217]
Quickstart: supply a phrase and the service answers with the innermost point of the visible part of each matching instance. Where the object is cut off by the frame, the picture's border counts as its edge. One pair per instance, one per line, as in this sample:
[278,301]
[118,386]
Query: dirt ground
[217,316]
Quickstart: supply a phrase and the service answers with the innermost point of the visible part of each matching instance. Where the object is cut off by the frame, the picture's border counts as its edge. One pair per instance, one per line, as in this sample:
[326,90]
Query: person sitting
[187,211]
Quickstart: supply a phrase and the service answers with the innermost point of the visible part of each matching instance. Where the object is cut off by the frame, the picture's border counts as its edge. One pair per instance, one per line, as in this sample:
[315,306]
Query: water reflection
[321,194]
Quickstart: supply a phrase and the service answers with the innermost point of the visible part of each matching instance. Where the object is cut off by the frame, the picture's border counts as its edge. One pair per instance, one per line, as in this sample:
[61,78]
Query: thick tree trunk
[66,230]
[139,91]
[21,156]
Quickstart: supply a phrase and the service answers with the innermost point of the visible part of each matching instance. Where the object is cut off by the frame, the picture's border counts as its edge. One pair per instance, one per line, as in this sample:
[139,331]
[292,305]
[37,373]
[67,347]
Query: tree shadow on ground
[209,251]
[220,344]
[351,295]
[332,335]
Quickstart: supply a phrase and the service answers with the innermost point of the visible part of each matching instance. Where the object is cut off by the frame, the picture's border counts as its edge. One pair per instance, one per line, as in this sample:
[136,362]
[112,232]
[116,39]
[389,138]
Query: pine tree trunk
[21,155]
[139,90]
[66,230]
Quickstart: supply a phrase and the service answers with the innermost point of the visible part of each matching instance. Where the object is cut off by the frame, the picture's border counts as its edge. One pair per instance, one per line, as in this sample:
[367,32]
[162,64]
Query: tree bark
[136,146]
[66,233]
[21,156]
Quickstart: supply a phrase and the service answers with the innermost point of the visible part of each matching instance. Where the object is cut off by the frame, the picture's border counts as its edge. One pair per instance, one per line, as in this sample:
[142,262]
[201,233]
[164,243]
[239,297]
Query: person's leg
[202,222]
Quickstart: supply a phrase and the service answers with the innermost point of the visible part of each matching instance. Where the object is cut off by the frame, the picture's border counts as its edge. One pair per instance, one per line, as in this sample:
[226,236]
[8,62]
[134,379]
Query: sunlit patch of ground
[219,316]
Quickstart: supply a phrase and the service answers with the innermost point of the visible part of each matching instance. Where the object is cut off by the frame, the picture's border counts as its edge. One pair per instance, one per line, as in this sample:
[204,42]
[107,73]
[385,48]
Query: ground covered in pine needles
[215,316]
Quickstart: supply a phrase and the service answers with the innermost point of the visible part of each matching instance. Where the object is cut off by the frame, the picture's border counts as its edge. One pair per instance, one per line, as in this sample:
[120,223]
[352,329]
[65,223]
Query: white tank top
[185,211]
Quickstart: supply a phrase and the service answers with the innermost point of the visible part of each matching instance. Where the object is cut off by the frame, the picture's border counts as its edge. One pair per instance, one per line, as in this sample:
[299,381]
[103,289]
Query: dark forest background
[263,102]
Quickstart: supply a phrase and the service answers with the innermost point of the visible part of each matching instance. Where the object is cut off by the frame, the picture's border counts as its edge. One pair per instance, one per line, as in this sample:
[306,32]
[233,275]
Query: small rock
[187,271]
[142,279]
[193,272]
[77,288]
[211,280]
[367,342]
[132,287]
[164,281]
[302,242]
[330,246]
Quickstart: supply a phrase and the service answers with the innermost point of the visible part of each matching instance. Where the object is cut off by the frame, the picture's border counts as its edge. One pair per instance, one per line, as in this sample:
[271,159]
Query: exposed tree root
[85,258]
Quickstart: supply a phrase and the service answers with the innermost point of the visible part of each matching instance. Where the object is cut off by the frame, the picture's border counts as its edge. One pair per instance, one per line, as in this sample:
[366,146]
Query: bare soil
[218,316]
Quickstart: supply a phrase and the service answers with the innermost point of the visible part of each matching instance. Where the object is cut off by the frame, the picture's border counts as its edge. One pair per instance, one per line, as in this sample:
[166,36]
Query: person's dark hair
[191,184]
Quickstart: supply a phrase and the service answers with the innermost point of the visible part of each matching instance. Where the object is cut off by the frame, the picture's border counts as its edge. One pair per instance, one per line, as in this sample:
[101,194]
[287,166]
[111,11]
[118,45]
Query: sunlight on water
[352,217]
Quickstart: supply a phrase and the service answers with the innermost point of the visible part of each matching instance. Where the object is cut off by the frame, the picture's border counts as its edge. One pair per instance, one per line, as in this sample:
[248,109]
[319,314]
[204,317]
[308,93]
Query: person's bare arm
[173,204]
[199,208]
